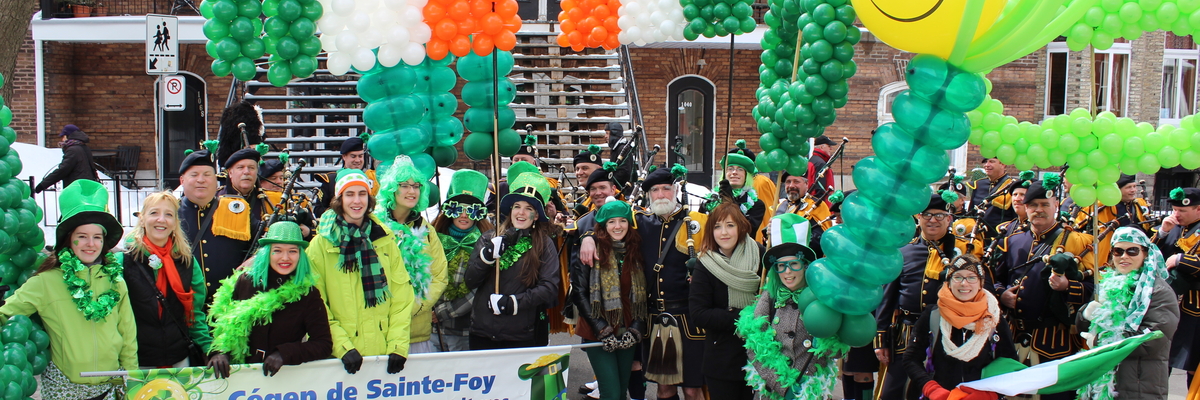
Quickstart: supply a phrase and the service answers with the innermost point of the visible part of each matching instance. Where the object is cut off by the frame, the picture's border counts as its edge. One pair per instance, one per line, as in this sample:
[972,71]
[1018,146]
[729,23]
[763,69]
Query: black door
[182,130]
[690,107]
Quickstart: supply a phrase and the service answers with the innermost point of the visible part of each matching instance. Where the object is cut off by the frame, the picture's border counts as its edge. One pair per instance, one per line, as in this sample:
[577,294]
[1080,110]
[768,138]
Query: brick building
[92,75]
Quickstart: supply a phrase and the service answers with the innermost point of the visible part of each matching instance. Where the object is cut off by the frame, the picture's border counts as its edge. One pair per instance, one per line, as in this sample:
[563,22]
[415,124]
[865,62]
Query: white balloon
[668,4]
[347,41]
[658,35]
[623,37]
[328,42]
[389,55]
[413,17]
[338,63]
[370,41]
[398,35]
[359,22]
[624,21]
[657,16]
[644,20]
[397,5]
[414,54]
[363,60]
[418,3]
[634,32]
[383,18]
[331,23]
[667,26]
[421,34]
[677,16]
[639,42]
[368,6]
[344,7]
[631,8]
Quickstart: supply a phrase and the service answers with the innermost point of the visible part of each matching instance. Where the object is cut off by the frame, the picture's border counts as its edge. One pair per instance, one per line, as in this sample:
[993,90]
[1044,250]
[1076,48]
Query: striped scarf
[354,250]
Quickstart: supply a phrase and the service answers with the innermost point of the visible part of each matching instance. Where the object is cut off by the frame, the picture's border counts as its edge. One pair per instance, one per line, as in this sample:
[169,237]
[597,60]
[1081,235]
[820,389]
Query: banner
[535,373]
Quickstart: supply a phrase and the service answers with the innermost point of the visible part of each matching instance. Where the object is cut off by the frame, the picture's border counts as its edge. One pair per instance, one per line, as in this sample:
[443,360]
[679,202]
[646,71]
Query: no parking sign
[170,92]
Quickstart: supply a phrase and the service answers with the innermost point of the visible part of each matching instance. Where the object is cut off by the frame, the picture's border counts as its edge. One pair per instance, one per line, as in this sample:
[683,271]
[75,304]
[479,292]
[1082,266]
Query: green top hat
[531,187]
[789,237]
[521,167]
[741,161]
[284,232]
[85,202]
[468,186]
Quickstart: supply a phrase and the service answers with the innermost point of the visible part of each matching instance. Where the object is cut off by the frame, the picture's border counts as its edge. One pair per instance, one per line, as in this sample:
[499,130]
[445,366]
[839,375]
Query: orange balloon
[562,16]
[610,24]
[445,3]
[460,46]
[513,24]
[612,42]
[480,7]
[568,4]
[493,24]
[562,40]
[482,45]
[591,4]
[436,49]
[446,29]
[567,25]
[601,12]
[459,11]
[576,14]
[434,12]
[575,38]
[468,26]
[593,42]
[506,7]
[589,23]
[599,34]
[506,40]
[577,47]
[614,4]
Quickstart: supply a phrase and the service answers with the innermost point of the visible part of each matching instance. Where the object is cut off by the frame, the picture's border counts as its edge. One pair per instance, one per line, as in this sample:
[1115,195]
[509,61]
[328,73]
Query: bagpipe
[285,211]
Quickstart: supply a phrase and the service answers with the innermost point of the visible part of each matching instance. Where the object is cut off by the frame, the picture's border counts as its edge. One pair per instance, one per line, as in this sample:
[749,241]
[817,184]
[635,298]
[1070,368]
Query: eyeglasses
[935,217]
[454,209]
[410,186]
[961,279]
[1131,251]
[794,265]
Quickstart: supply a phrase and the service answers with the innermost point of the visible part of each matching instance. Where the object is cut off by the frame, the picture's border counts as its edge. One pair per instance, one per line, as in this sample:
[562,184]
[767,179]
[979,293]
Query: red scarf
[169,275]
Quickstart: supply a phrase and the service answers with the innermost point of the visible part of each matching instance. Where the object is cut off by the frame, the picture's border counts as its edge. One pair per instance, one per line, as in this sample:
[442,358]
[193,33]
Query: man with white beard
[817,213]
[665,260]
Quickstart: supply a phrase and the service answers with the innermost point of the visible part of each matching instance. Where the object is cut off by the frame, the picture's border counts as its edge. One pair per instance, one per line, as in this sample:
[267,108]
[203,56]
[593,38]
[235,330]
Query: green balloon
[1108,174]
[721,10]
[215,29]
[1168,157]
[444,156]
[747,24]
[886,263]
[302,28]
[243,69]
[1097,158]
[835,32]
[269,43]
[228,49]
[821,321]
[253,48]
[13,390]
[40,338]
[206,9]
[509,142]
[1083,194]
[224,11]
[290,10]
[280,73]
[276,27]
[839,292]
[1148,164]
[303,66]
[310,46]
[1108,194]
[905,157]
[270,8]
[857,330]
[221,68]
[313,11]
[797,165]
[1111,144]
[14,333]
[939,128]
[731,24]
[821,50]
[478,146]
[287,48]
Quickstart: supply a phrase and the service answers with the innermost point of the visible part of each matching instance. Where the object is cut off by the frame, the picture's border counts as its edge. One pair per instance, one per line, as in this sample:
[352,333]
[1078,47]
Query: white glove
[1090,338]
[1090,310]
[494,303]
[497,247]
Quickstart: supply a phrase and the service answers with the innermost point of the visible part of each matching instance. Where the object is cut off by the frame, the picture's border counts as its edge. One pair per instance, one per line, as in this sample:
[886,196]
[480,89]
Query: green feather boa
[761,340]
[1116,291]
[232,329]
[412,244]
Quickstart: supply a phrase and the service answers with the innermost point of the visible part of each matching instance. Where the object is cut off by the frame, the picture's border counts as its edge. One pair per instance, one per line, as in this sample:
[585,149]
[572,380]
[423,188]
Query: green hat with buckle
[81,203]
[285,232]
[531,187]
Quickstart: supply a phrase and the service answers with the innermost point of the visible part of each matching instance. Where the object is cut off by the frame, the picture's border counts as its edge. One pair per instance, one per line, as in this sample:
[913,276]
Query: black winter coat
[160,338]
[77,163]
[289,325]
[708,304]
[531,300]
[949,371]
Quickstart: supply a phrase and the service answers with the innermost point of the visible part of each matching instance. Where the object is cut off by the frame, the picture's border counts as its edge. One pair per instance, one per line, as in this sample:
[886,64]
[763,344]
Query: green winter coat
[76,344]
[379,330]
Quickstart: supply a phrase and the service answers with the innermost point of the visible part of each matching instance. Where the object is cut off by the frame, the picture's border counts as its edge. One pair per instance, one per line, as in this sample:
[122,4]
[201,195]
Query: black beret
[243,154]
[270,167]
[938,202]
[659,176]
[1183,197]
[1125,180]
[352,144]
[589,156]
[601,175]
[200,158]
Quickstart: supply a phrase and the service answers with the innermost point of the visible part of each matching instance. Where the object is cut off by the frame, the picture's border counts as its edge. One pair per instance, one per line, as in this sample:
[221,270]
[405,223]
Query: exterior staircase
[566,97]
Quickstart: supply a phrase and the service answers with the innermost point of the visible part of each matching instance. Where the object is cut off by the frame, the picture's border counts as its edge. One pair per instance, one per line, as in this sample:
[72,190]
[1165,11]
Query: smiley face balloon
[923,26]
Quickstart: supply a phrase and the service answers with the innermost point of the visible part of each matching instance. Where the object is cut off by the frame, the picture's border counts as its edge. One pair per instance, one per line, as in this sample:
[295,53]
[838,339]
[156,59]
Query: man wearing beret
[1041,295]
[1179,240]
[1013,226]
[218,248]
[586,163]
[354,156]
[816,212]
[1131,211]
[272,180]
[991,194]
[905,298]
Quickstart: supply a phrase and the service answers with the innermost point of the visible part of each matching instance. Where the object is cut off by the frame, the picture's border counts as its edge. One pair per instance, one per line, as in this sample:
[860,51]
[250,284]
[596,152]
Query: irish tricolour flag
[1008,377]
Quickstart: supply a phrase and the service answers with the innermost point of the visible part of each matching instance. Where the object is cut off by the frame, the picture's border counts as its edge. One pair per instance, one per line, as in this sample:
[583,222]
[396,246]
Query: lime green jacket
[76,344]
[379,330]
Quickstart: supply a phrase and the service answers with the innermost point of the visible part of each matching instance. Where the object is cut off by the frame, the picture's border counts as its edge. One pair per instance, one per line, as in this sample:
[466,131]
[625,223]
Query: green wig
[402,170]
[262,263]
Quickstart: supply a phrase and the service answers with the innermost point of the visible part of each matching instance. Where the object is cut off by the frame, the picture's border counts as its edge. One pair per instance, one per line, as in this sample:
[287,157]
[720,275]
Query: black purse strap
[162,302]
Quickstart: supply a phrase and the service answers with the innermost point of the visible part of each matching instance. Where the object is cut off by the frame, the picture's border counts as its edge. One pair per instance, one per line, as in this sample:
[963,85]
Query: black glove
[1063,263]
[219,362]
[41,187]
[395,363]
[352,361]
[272,363]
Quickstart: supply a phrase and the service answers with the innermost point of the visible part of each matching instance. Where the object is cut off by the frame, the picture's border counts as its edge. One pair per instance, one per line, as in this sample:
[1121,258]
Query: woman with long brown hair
[166,288]
[515,274]
[726,281]
[461,223]
[610,298]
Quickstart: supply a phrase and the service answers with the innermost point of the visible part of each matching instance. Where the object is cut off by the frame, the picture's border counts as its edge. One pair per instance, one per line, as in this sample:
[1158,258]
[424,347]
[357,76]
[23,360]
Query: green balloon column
[435,79]
[234,29]
[488,92]
[713,18]
[25,351]
[800,91]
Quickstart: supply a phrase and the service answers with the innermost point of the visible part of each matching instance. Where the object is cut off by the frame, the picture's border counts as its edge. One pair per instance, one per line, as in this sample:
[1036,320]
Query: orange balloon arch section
[461,26]
[589,23]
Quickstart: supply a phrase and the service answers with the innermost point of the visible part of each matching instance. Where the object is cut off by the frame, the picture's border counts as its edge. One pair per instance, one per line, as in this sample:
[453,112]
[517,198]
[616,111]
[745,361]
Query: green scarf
[231,330]
[457,254]
[739,272]
[451,244]
[354,250]
[605,289]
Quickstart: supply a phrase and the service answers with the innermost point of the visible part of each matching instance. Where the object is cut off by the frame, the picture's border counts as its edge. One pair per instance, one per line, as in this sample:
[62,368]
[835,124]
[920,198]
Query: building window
[1178,86]
[1056,83]
[1111,81]
[887,94]
[691,108]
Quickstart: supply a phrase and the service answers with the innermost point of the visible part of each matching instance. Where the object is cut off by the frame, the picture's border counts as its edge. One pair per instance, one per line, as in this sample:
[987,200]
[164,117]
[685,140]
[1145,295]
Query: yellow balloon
[151,390]
[922,26]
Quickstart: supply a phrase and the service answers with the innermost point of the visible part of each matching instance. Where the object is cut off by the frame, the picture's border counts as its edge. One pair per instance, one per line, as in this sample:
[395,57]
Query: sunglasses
[454,209]
[1131,251]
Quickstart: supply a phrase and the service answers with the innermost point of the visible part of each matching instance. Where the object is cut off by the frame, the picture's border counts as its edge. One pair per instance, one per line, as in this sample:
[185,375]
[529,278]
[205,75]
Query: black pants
[728,389]
[482,343]
[896,385]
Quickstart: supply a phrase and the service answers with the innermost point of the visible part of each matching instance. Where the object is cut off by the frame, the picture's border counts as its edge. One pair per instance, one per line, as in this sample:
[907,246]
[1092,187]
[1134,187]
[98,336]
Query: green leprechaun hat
[285,232]
[85,202]
[468,186]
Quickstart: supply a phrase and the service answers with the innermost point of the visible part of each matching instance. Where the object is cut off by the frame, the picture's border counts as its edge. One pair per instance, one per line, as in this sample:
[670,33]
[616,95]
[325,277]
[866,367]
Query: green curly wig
[262,263]
[402,170]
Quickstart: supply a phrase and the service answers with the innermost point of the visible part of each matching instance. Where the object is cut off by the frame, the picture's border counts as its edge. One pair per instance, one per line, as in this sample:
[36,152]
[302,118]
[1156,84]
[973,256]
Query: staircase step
[567,133]
[309,139]
[566,57]
[570,82]
[315,125]
[336,98]
[573,94]
[306,83]
[598,120]
[601,106]
[611,68]
[312,111]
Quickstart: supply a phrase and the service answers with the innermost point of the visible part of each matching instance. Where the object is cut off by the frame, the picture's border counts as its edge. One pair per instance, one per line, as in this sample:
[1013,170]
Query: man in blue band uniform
[916,288]
[1044,278]
[218,248]
[1179,239]
[667,282]
[991,193]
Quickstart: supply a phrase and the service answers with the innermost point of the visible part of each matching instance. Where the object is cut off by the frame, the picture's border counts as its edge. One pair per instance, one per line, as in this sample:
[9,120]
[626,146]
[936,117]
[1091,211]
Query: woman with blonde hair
[166,288]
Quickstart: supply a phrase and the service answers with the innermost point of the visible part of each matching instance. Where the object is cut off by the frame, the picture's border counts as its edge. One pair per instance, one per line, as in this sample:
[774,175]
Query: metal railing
[123,202]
